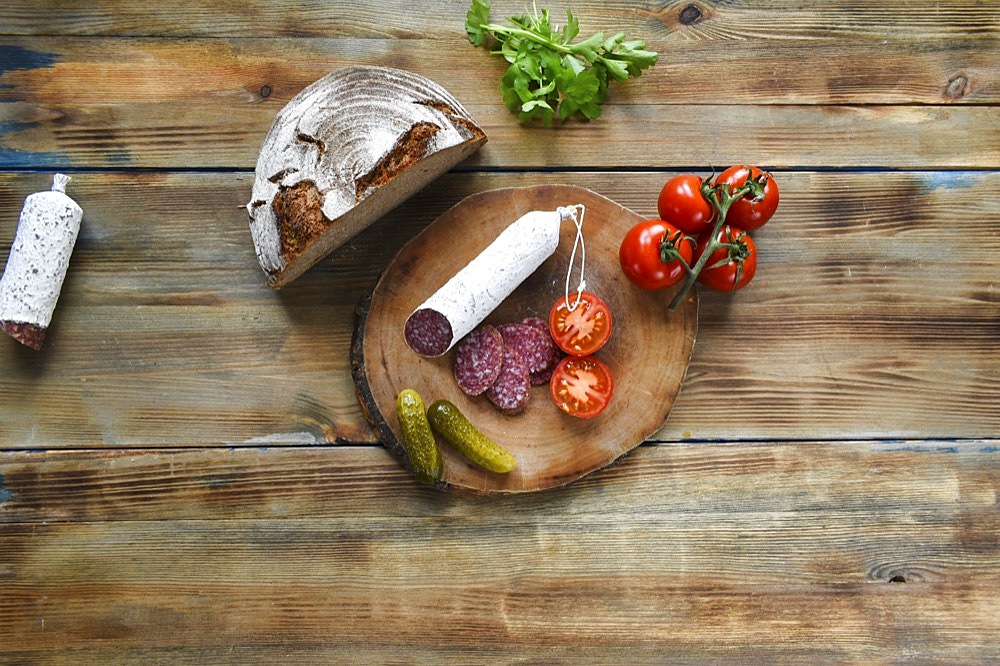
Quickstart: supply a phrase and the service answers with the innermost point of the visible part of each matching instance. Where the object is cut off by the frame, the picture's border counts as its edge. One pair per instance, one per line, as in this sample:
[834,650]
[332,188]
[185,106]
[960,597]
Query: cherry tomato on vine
[682,204]
[583,330]
[729,268]
[749,213]
[581,386]
[649,254]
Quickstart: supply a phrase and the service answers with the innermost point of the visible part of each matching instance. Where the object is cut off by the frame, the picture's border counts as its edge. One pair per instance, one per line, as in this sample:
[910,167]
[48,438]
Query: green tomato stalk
[721,199]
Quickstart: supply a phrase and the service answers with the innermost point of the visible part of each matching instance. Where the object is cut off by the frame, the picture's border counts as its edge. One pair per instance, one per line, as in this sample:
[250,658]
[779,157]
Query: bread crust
[345,151]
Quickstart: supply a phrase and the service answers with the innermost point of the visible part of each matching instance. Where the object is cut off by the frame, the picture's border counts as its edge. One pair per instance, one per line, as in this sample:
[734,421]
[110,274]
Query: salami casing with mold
[466,299]
[38,261]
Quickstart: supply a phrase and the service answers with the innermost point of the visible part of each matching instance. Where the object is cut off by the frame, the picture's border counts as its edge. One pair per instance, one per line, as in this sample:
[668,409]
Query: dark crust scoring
[409,149]
[299,212]
[29,335]
[472,129]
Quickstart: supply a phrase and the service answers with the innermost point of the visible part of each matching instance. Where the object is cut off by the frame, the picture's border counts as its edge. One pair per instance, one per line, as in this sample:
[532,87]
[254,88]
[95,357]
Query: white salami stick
[39,258]
[476,290]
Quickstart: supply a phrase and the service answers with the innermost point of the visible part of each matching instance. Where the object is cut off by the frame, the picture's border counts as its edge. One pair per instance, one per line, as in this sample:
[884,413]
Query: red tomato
[642,254]
[581,386]
[749,213]
[682,204]
[722,275]
[584,330]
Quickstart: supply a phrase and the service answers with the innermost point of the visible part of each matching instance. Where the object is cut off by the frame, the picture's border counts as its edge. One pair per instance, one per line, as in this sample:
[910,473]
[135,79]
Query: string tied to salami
[575,213]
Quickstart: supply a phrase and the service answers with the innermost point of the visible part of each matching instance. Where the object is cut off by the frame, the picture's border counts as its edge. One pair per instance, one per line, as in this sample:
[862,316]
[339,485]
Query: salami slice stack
[503,362]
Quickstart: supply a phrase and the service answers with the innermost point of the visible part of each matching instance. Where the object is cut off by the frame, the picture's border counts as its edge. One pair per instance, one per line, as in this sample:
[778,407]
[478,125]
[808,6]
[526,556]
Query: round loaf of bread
[345,151]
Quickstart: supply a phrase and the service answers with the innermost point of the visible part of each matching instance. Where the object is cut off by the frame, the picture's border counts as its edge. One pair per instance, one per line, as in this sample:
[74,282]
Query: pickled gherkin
[447,421]
[418,440]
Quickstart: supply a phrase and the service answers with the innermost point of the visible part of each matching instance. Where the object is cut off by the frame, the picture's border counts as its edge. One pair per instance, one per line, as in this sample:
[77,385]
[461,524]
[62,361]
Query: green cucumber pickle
[418,440]
[447,421]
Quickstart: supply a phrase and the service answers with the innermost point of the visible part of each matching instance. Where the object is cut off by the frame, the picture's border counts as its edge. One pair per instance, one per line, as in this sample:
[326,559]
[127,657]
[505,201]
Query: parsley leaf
[476,20]
[549,75]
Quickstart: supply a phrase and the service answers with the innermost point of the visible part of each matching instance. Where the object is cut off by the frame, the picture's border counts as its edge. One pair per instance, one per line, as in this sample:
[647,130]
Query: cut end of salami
[478,359]
[512,389]
[29,335]
[428,332]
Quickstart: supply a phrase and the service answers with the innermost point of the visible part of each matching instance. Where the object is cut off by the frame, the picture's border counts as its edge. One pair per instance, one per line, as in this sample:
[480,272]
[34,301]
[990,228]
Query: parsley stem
[527,34]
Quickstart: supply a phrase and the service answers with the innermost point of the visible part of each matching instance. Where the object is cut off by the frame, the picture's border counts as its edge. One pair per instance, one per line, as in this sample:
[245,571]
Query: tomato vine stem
[721,199]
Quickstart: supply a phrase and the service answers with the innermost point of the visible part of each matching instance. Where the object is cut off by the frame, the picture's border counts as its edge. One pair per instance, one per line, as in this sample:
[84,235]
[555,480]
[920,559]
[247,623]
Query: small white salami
[478,359]
[510,392]
[38,261]
[466,299]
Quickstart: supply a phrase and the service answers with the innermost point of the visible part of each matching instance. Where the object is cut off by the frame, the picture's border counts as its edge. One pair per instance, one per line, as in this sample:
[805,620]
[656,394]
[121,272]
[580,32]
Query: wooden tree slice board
[648,352]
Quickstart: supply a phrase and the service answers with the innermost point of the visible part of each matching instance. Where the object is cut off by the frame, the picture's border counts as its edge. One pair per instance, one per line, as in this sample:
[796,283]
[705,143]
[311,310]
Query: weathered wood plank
[179,136]
[158,104]
[839,479]
[871,315]
[445,19]
[774,553]
[165,491]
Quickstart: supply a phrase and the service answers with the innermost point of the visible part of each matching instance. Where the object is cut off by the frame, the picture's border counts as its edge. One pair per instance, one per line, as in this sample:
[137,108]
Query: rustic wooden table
[186,475]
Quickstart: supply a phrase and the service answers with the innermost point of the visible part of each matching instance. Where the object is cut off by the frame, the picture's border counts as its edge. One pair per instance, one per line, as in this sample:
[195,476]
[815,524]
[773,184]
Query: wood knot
[958,87]
[265,91]
[690,15]
[894,574]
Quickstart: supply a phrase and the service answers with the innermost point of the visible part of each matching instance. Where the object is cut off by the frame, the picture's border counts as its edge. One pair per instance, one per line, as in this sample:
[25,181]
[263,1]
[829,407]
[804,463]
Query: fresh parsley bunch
[549,75]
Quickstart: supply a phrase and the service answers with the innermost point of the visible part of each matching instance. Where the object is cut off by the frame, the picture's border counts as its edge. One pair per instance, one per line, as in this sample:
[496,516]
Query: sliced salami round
[537,322]
[530,343]
[539,377]
[478,359]
[543,376]
[510,392]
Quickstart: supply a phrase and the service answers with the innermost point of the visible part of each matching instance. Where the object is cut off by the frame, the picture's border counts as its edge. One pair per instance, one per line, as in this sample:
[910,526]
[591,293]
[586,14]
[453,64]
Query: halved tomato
[584,329]
[581,386]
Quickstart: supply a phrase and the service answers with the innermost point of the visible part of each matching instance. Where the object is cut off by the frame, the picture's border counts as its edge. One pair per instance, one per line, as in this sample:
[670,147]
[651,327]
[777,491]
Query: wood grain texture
[731,20]
[882,550]
[262,483]
[869,316]
[186,476]
[156,104]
